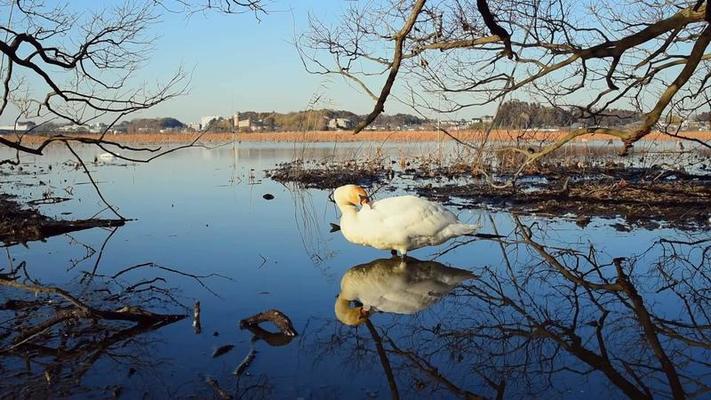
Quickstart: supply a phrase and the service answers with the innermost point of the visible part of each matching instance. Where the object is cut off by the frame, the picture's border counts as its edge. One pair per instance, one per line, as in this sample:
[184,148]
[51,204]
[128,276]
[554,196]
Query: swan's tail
[455,276]
[487,236]
[464,229]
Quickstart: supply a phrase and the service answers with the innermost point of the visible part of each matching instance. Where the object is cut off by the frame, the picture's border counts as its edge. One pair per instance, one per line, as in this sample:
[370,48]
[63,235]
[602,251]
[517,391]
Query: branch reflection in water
[551,321]
[53,335]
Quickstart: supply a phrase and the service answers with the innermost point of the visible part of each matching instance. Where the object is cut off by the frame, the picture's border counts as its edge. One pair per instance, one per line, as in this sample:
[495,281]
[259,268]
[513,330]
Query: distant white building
[245,124]
[97,127]
[242,125]
[73,128]
[205,121]
[340,123]
[487,119]
[251,125]
[22,126]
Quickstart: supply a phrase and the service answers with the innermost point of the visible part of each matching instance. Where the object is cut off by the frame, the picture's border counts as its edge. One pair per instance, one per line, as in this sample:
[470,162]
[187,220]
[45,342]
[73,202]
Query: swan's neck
[348,210]
[347,294]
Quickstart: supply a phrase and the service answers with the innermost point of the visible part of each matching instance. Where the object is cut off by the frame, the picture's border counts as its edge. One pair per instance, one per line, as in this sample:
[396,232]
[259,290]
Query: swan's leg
[403,254]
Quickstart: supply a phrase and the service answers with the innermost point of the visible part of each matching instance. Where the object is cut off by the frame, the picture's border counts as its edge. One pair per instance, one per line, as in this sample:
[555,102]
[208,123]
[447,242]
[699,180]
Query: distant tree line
[524,115]
[149,125]
[704,116]
[317,120]
[513,114]
[154,125]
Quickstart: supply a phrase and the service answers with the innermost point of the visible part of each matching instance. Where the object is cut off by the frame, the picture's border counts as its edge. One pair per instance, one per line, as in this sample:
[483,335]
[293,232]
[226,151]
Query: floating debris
[583,221]
[268,196]
[222,350]
[277,317]
[283,337]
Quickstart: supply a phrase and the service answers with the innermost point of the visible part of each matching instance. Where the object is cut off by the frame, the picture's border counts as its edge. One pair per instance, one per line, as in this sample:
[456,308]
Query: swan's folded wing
[410,214]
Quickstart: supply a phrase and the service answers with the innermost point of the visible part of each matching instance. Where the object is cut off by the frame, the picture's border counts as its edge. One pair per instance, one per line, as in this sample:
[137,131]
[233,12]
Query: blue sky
[242,63]
[237,62]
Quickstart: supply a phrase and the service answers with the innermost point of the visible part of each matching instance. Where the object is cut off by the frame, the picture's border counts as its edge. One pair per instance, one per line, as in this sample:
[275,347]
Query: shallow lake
[554,310]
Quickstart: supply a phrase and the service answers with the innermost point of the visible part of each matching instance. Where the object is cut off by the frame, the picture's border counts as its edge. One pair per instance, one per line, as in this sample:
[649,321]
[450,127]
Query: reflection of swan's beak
[349,315]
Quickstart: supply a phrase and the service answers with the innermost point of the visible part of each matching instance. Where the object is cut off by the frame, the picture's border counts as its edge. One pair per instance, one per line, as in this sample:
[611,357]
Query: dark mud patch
[678,204]
[543,171]
[19,224]
[329,175]
[643,197]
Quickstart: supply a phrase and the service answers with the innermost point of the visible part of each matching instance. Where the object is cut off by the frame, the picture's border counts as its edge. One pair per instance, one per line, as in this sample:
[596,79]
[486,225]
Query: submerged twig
[221,393]
[196,319]
[245,363]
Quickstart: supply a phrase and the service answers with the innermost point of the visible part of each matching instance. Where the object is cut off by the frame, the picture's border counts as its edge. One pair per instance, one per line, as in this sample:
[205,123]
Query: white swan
[395,285]
[104,157]
[397,223]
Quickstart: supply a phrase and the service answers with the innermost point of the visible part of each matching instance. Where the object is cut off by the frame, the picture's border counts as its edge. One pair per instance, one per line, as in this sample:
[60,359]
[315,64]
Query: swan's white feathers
[402,223]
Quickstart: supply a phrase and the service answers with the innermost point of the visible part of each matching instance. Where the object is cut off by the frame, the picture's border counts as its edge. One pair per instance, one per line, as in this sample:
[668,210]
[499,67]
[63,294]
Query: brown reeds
[473,136]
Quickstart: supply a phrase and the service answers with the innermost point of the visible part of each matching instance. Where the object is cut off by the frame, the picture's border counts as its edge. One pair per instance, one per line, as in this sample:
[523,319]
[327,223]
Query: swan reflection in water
[394,285]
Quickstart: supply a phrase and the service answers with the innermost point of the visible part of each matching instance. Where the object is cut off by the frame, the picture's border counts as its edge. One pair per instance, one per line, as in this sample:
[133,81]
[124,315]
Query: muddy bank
[642,197]
[19,224]
[650,204]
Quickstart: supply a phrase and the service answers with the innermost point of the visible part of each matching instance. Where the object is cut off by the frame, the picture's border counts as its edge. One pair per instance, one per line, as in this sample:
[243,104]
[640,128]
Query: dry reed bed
[347,136]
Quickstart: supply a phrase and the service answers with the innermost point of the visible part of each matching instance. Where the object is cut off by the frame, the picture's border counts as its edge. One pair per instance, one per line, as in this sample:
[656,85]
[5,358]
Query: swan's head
[350,195]
[348,315]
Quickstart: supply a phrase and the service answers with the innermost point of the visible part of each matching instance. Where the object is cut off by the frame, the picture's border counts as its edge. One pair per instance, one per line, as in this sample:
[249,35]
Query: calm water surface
[549,314]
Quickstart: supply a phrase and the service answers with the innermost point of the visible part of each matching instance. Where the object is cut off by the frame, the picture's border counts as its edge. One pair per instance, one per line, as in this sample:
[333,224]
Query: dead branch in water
[62,331]
[79,310]
[18,225]
[66,332]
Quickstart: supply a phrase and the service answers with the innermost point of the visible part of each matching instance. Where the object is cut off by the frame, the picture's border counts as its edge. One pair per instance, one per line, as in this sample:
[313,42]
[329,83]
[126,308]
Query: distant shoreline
[365,136]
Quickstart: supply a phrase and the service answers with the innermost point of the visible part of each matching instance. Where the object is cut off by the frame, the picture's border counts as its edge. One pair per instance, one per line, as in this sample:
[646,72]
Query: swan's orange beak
[364,200]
